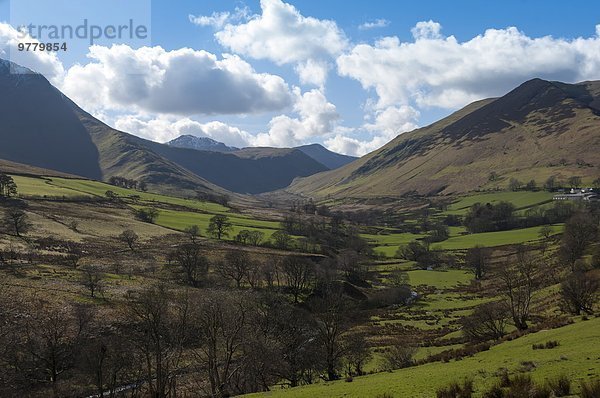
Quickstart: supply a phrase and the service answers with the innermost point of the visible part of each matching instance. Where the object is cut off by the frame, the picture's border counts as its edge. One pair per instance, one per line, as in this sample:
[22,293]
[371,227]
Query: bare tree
[91,279]
[477,260]
[579,231]
[130,238]
[74,253]
[398,355]
[192,263]
[488,322]
[357,353]
[520,280]
[193,232]
[298,274]
[221,320]
[580,292]
[160,320]
[235,266]
[332,324]
[16,221]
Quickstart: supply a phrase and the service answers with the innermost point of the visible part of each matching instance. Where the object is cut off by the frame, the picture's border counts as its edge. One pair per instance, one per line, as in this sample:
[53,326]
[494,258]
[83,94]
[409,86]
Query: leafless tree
[357,353]
[130,238]
[580,292]
[298,274]
[193,232]
[579,231]
[520,280]
[477,260]
[488,322]
[330,312]
[16,221]
[221,319]
[398,355]
[160,320]
[92,279]
[192,263]
[235,266]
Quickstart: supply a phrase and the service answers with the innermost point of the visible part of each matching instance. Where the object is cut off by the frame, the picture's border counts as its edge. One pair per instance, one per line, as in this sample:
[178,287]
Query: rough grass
[577,357]
[439,279]
[180,220]
[33,186]
[99,189]
[520,199]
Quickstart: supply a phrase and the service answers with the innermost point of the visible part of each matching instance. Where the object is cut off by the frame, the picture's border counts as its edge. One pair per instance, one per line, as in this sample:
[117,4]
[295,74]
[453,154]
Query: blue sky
[350,75]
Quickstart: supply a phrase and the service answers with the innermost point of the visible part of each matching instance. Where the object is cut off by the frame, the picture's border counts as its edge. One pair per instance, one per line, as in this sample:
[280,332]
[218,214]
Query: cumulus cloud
[282,35]
[316,118]
[46,63]
[166,128]
[184,82]
[218,19]
[378,23]
[441,71]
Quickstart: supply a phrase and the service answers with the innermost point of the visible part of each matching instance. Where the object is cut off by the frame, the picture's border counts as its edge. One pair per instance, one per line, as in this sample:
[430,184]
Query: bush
[548,345]
[456,390]
[561,386]
[591,389]
[495,391]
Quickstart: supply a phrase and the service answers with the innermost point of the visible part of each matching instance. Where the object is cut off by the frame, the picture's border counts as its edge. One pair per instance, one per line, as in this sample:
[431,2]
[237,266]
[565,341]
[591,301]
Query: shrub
[495,391]
[456,390]
[548,345]
[591,389]
[561,386]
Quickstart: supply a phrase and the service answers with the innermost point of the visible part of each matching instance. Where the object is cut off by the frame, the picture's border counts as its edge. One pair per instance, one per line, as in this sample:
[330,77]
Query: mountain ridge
[537,130]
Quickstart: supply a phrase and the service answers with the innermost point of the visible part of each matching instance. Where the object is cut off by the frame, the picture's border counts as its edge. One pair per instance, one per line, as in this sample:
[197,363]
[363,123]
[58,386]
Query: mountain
[537,130]
[327,158]
[39,126]
[200,143]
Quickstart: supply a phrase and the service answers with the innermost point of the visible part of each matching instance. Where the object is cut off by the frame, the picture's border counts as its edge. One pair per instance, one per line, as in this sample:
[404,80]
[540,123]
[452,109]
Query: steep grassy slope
[329,159]
[251,170]
[37,127]
[537,130]
[576,356]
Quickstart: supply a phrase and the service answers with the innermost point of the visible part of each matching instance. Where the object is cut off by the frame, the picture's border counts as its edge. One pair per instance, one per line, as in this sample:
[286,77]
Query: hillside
[43,128]
[39,128]
[246,171]
[537,130]
[329,159]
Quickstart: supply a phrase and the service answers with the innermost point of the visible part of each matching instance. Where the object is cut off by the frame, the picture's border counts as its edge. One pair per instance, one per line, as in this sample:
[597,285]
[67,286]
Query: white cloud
[443,72]
[316,118]
[166,128]
[218,19]
[394,120]
[44,62]
[184,82]
[281,34]
[378,23]
[427,30]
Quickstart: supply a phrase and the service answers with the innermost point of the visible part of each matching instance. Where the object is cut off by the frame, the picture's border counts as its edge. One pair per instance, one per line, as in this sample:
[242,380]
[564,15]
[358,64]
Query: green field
[519,199]
[577,356]
[494,238]
[180,220]
[458,241]
[99,189]
[439,279]
[33,186]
